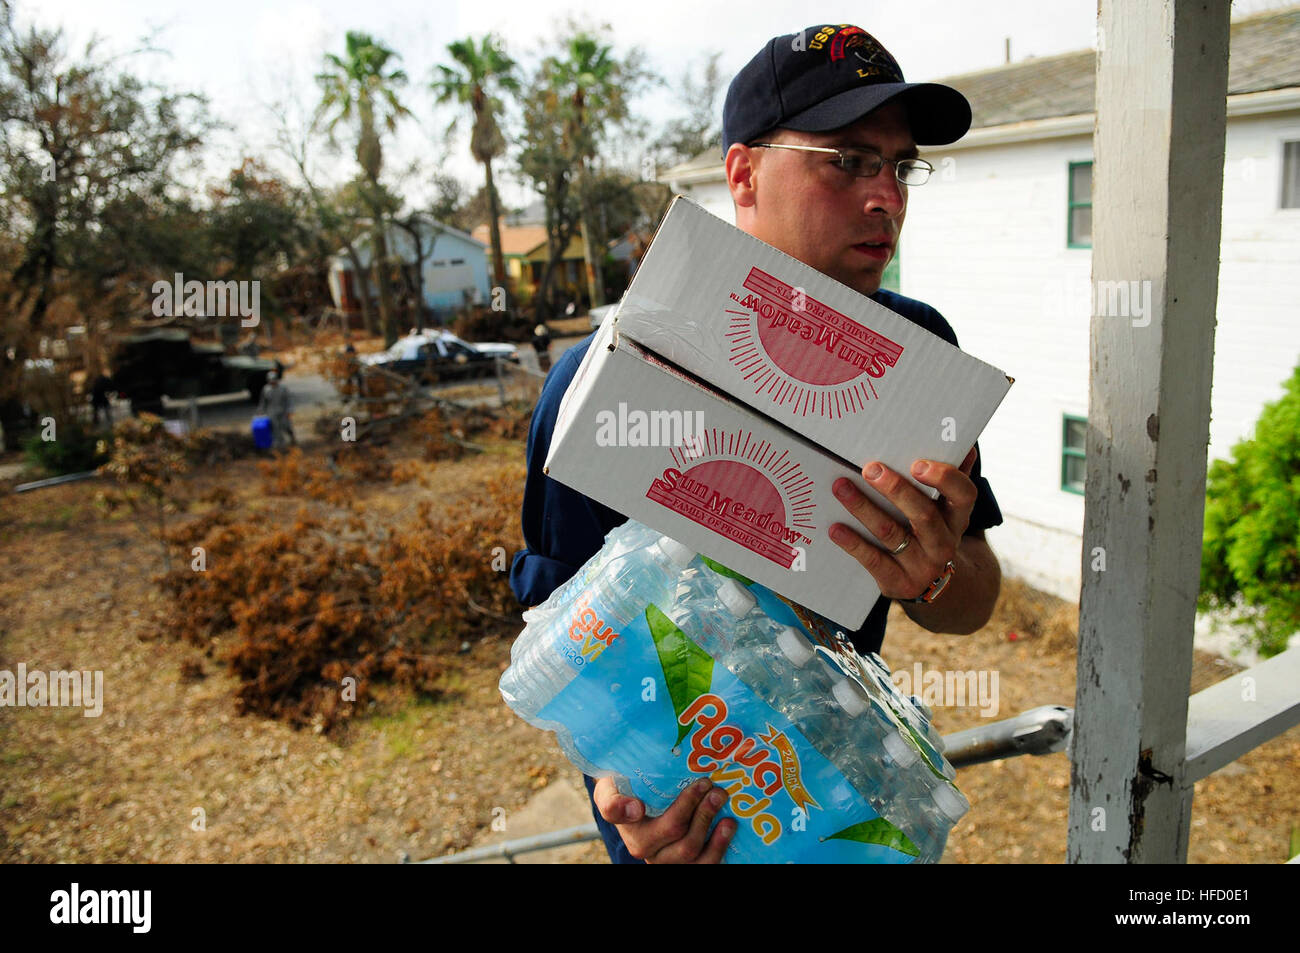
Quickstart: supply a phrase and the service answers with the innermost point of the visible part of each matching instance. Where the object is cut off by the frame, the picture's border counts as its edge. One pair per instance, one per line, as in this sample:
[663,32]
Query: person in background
[354,371]
[274,403]
[99,404]
[542,346]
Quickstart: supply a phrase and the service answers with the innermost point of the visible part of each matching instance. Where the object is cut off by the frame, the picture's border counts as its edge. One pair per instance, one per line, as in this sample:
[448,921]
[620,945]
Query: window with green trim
[1074,441]
[1079,212]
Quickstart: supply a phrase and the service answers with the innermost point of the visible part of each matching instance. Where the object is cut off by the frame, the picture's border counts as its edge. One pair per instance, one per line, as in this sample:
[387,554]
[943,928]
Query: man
[356,386]
[99,403]
[274,403]
[821,135]
[542,346]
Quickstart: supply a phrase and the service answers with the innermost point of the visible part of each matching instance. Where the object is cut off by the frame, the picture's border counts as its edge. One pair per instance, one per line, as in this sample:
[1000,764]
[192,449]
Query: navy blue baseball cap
[830,76]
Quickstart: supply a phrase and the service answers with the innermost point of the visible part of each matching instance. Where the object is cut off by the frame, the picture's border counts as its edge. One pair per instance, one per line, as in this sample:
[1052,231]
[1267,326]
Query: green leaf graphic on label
[688,669]
[923,746]
[724,571]
[879,831]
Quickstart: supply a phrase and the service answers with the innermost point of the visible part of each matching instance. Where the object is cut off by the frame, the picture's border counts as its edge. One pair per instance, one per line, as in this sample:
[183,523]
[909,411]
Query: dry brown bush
[294,610]
[442,439]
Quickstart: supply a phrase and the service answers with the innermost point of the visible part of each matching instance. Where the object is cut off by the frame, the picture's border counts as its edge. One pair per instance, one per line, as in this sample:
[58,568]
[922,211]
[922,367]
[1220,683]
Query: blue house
[448,266]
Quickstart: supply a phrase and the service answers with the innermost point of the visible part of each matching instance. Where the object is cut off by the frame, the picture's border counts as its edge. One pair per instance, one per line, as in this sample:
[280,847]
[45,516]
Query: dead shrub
[296,611]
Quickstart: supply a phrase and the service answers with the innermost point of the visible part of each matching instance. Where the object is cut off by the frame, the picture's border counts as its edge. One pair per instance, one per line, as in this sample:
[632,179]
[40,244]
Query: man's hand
[937,525]
[678,835]
[939,529]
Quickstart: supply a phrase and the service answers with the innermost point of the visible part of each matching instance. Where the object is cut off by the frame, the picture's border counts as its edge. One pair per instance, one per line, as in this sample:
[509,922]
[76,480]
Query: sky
[245,54]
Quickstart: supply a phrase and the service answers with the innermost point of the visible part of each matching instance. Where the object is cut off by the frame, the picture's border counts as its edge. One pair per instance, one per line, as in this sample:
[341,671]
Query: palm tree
[483,69]
[356,88]
[593,81]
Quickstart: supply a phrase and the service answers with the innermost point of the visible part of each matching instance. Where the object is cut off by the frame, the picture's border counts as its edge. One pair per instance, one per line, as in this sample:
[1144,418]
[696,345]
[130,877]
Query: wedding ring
[902,546]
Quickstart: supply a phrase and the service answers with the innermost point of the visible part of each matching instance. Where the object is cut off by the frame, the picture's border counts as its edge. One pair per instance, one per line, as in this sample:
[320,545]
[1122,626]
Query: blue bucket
[262,437]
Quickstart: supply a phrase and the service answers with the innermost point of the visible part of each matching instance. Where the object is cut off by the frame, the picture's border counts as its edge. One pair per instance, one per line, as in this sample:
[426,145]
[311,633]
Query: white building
[999,241]
[450,266]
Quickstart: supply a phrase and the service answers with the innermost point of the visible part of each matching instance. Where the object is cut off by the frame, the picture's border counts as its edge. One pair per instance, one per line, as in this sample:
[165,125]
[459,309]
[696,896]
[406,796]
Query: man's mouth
[877,250]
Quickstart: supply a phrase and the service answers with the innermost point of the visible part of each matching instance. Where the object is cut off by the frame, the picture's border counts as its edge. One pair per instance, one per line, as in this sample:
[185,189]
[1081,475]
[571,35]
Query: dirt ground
[169,773]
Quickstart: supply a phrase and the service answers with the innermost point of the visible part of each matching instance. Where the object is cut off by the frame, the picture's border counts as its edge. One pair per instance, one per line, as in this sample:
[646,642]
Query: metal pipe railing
[522,845]
[1040,730]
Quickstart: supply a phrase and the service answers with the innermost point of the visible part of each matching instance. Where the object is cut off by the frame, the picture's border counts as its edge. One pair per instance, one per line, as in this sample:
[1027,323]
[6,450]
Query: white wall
[715,197]
[1257,341]
[986,245]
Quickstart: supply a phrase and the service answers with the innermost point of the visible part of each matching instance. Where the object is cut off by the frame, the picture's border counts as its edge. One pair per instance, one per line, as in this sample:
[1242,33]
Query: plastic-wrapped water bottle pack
[655,666]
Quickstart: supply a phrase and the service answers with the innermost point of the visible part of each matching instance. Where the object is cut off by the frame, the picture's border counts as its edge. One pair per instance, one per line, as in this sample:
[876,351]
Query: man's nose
[885,194]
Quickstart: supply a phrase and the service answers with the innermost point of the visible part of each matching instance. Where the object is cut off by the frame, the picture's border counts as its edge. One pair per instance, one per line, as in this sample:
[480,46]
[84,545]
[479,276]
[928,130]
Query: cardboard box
[650,442]
[803,349]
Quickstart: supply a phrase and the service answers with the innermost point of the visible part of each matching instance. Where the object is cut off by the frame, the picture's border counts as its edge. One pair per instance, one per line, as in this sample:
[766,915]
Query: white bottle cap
[849,697]
[950,802]
[795,647]
[679,554]
[903,754]
[736,597]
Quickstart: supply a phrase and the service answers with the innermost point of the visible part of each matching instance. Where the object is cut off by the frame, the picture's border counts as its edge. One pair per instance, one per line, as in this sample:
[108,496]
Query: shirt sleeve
[562,527]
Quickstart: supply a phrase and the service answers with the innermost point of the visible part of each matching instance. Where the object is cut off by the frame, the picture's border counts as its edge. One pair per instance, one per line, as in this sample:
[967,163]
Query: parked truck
[167,362]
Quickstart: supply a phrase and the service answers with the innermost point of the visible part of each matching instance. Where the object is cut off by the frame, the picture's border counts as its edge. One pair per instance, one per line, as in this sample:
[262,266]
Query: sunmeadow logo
[210,299]
[744,488]
[802,353]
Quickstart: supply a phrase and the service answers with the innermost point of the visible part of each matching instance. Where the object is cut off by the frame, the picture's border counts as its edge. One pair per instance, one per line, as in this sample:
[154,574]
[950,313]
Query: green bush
[1251,556]
[74,449]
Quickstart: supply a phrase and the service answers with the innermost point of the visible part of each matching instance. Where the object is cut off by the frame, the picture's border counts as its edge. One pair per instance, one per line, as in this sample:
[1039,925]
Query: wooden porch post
[1158,187]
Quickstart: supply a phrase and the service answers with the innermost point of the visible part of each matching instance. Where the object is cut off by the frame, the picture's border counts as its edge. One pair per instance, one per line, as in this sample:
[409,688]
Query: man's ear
[740,168]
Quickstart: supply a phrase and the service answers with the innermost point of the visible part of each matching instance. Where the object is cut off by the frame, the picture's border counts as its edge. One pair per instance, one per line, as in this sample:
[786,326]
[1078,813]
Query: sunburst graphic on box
[744,488]
[803,354]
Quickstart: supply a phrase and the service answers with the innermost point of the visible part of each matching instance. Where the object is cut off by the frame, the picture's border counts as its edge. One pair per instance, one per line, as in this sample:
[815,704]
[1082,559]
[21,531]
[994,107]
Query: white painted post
[1157,194]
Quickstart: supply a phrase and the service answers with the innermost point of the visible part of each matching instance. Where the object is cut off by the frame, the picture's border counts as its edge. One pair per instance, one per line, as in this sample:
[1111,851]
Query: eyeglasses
[864,163]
